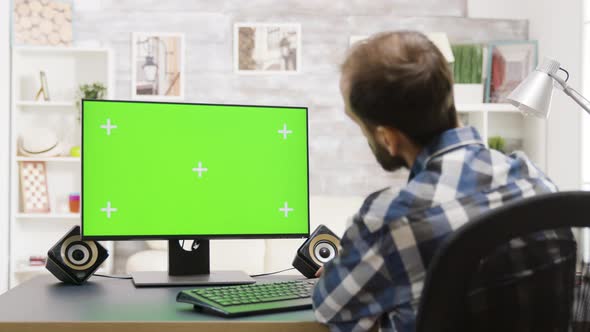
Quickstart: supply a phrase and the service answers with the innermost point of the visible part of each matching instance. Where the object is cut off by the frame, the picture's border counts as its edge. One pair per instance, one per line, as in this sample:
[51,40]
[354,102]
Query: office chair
[452,298]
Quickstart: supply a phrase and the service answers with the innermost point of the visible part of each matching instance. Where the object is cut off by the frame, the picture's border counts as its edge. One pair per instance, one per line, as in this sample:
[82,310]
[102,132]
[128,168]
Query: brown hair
[401,79]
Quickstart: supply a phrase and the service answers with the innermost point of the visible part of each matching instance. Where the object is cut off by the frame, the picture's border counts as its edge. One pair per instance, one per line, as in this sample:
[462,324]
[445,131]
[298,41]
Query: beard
[388,162]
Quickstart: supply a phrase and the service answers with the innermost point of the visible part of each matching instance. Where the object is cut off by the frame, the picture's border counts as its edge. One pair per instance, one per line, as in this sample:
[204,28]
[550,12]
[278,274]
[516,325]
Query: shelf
[31,269]
[48,216]
[42,269]
[51,159]
[45,104]
[489,107]
[66,69]
[59,50]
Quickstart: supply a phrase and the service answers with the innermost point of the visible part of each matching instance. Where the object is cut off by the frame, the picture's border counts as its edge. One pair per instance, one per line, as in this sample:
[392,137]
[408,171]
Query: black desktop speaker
[321,247]
[72,260]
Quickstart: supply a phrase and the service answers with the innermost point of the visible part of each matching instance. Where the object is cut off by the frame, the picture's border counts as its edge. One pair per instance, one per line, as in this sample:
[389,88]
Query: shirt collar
[447,141]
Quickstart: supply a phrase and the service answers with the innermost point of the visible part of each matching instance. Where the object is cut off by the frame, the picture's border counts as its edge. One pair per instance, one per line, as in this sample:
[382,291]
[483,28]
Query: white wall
[499,9]
[4,138]
[558,28]
[586,92]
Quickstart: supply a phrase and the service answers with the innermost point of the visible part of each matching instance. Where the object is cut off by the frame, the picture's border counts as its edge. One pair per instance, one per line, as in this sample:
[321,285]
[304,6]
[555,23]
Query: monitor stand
[188,265]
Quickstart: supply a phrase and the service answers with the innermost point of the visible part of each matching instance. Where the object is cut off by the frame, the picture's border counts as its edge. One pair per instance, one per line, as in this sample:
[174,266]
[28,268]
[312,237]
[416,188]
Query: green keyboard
[251,299]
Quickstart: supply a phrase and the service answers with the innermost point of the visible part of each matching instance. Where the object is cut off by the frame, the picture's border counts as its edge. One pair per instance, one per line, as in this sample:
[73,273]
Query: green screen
[165,170]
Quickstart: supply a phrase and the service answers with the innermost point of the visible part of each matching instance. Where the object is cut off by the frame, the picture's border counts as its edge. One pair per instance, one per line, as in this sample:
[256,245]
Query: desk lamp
[533,97]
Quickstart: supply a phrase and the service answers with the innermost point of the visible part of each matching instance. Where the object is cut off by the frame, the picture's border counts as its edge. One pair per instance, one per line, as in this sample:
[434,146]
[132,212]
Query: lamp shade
[533,95]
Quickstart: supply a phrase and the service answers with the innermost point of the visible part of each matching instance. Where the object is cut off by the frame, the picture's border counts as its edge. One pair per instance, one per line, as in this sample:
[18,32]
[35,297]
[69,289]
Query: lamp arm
[578,98]
[575,95]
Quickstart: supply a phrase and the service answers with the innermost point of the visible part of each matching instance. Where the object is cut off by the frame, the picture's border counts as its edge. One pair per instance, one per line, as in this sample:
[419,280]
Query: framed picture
[33,187]
[439,39]
[157,66]
[44,89]
[356,38]
[509,63]
[265,48]
[47,22]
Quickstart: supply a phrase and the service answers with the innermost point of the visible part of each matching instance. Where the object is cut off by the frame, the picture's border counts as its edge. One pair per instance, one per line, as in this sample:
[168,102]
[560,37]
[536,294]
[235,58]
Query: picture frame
[44,89]
[34,193]
[42,23]
[356,38]
[508,64]
[267,48]
[440,39]
[157,66]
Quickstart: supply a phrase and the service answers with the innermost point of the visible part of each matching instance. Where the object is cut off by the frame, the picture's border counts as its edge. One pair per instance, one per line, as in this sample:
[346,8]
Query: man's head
[399,88]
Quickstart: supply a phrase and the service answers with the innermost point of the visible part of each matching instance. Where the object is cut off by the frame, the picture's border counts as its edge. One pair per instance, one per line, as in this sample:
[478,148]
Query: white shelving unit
[66,105]
[51,159]
[5,15]
[23,270]
[32,234]
[507,108]
[520,132]
[45,216]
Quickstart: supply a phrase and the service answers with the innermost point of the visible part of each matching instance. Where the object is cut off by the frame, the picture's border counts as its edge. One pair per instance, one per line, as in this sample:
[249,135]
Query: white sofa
[257,256]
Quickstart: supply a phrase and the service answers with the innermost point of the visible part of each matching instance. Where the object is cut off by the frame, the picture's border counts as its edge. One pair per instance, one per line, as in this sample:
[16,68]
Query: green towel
[467,68]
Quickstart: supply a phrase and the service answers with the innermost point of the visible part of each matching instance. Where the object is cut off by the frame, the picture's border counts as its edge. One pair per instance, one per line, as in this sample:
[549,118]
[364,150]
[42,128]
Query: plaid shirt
[378,276]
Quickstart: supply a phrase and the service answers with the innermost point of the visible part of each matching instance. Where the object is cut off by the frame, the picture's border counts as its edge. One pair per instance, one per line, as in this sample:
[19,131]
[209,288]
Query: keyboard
[244,300]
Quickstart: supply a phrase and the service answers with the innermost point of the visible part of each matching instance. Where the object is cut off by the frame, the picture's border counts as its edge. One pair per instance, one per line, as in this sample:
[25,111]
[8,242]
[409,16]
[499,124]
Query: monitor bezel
[188,236]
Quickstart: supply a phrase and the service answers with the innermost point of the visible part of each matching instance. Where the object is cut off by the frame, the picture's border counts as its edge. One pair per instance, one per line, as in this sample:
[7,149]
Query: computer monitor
[179,171]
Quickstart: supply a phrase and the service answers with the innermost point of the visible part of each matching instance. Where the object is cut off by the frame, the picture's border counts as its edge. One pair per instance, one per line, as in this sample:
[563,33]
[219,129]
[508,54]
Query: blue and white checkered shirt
[378,276]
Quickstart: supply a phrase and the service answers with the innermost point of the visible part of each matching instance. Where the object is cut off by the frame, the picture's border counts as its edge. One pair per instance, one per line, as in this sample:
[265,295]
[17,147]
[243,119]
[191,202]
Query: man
[398,88]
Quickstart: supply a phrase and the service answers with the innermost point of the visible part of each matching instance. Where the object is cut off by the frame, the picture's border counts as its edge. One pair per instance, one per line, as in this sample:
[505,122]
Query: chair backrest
[445,301]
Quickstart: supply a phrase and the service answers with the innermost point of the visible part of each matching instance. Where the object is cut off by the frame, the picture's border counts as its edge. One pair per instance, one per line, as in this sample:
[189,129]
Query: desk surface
[116,305]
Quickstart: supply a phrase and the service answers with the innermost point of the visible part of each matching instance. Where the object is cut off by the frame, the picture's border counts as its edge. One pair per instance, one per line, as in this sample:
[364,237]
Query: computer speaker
[321,247]
[72,260]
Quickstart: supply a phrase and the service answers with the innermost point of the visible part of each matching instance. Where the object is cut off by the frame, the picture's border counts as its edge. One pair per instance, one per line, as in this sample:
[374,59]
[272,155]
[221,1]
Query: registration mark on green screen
[176,170]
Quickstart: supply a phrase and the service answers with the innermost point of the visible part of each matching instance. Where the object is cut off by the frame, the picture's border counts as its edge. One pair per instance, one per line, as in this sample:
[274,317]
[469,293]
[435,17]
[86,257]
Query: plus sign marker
[174,168]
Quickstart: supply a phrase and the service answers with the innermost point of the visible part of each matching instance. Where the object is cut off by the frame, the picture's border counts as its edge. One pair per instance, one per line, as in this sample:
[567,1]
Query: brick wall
[340,161]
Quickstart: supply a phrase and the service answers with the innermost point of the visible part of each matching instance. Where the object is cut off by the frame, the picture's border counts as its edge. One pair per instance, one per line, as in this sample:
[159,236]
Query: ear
[389,138]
